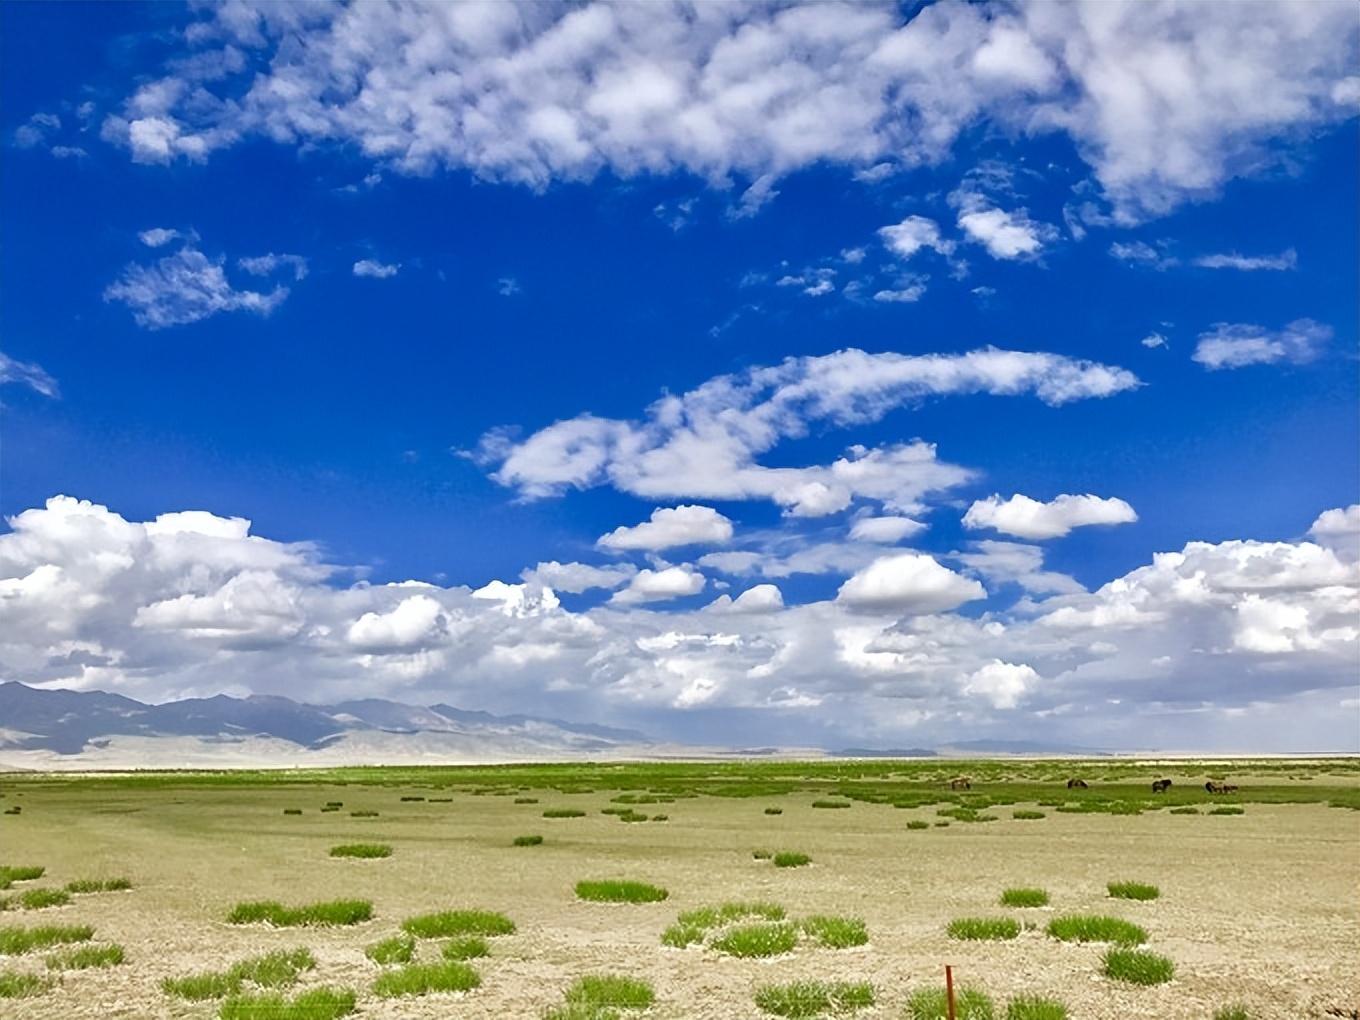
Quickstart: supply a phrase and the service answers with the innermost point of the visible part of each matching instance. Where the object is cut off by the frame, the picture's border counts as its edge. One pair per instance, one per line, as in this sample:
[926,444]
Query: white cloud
[1339,531]
[36,130]
[185,287]
[704,444]
[1141,253]
[27,373]
[905,239]
[158,237]
[670,527]
[909,583]
[579,577]
[760,598]
[1235,345]
[1288,259]
[1165,101]
[1001,683]
[660,585]
[264,265]
[412,623]
[907,292]
[1006,235]
[1030,518]
[507,286]
[376,270]
[888,530]
[1154,340]
[1016,563]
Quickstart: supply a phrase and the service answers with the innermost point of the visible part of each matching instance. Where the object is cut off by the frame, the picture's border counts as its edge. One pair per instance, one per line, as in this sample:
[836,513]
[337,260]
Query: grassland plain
[1257,909]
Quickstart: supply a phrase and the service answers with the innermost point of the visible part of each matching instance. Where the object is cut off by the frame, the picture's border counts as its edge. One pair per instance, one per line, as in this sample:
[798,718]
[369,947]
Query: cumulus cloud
[264,265]
[193,603]
[1288,259]
[905,239]
[1164,101]
[184,287]
[158,237]
[760,598]
[660,585]
[1153,341]
[887,530]
[27,373]
[1235,345]
[376,270]
[911,583]
[579,577]
[705,443]
[670,527]
[1029,518]
[1005,234]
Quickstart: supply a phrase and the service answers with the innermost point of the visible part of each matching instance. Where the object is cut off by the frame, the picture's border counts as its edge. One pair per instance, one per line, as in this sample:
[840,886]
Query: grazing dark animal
[1076,784]
[960,783]
[1229,788]
[1214,787]
[1161,785]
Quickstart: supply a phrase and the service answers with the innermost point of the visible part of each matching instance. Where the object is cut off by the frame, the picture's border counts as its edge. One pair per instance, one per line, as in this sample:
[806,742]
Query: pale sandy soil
[1261,909]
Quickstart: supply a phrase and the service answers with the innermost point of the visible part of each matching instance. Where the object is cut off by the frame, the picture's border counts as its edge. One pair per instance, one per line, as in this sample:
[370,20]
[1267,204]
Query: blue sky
[461,275]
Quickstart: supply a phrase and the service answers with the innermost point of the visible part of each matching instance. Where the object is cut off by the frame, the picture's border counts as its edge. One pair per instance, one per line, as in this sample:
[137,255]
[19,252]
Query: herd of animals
[1158,785]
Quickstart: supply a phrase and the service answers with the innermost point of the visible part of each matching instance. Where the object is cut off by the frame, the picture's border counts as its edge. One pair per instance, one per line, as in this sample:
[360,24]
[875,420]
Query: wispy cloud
[1236,345]
[27,373]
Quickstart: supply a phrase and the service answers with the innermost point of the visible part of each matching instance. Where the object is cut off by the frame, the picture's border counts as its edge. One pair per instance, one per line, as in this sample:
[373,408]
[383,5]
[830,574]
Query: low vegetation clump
[1088,928]
[916,823]
[1035,1007]
[452,923]
[932,1004]
[1232,1013]
[412,798]
[527,840]
[292,811]
[966,814]
[326,810]
[15,940]
[1023,897]
[815,998]
[564,813]
[38,899]
[693,925]
[762,855]
[362,850]
[1133,891]
[1228,809]
[977,929]
[831,804]
[601,996]
[423,978]
[526,800]
[832,932]
[10,875]
[616,891]
[791,859]
[313,1004]
[85,958]
[97,885]
[466,947]
[1138,967]
[363,814]
[774,810]
[1028,815]
[279,969]
[335,804]
[757,940]
[1188,809]
[312,915]
[397,949]
[14,985]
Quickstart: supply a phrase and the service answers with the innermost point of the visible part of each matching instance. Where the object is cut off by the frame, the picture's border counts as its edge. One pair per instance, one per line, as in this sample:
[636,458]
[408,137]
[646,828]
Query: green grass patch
[1138,967]
[527,841]
[693,925]
[932,1004]
[757,940]
[831,804]
[1133,891]
[774,810]
[397,949]
[10,875]
[526,800]
[1233,1012]
[37,899]
[362,850]
[1035,1007]
[312,915]
[15,940]
[452,923]
[466,947]
[980,929]
[916,824]
[596,994]
[98,885]
[22,986]
[198,987]
[619,891]
[85,957]
[1024,897]
[292,811]
[791,859]
[313,1004]
[1091,928]
[412,798]
[278,969]
[424,978]
[832,932]
[1027,815]
[814,998]
[564,812]
[1228,809]
[1188,809]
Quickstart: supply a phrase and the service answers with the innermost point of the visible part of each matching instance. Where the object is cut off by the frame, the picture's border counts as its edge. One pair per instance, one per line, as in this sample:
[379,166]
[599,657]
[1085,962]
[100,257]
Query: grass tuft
[1233,1012]
[451,923]
[278,969]
[466,947]
[615,891]
[1228,809]
[1133,891]
[610,991]
[931,1004]
[526,800]
[1138,967]
[831,804]
[313,1004]
[791,859]
[22,986]
[363,814]
[292,811]
[527,841]
[312,915]
[757,940]
[814,998]
[423,978]
[397,949]
[1024,897]
[1027,815]
[1035,1007]
[978,929]
[15,940]
[361,850]
[1088,928]
[916,823]
[96,885]
[9,875]
[1189,809]
[835,932]
[774,810]
[85,957]
[565,812]
[37,899]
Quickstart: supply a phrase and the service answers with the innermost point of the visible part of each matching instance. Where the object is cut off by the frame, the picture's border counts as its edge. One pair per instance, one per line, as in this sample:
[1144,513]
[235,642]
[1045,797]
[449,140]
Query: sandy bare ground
[1260,909]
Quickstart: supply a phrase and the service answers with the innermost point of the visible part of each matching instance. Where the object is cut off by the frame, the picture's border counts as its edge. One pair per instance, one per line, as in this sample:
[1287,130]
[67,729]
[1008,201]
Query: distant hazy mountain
[892,752]
[95,725]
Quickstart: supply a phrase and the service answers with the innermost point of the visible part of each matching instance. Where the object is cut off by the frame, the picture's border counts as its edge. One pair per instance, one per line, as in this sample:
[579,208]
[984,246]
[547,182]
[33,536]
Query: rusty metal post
[949,989]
